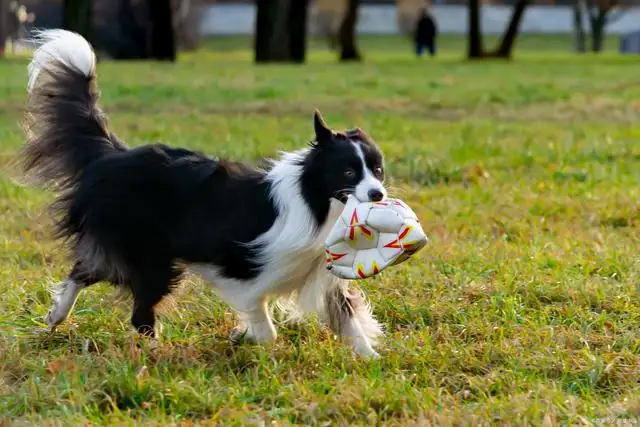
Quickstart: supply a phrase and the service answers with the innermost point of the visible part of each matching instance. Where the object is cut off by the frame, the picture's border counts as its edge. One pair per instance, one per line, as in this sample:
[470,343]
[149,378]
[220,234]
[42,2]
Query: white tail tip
[66,47]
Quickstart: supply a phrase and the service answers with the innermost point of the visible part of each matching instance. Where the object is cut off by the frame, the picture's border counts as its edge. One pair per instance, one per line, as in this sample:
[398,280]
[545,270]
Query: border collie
[142,217]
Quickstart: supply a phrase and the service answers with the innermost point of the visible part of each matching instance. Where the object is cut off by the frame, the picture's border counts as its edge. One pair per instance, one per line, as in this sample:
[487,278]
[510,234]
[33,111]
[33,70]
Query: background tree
[18,21]
[599,13]
[474,37]
[507,42]
[130,36]
[4,25]
[77,16]
[145,28]
[327,15]
[163,41]
[347,34]
[187,15]
[580,37]
[337,21]
[125,28]
[281,31]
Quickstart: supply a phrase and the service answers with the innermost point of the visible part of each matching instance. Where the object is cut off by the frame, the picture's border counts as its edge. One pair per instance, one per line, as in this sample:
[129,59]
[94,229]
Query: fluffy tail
[65,128]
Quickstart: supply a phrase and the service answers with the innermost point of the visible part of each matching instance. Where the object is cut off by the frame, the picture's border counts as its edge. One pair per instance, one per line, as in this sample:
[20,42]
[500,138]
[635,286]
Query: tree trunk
[298,30]
[579,34]
[186,20]
[4,25]
[474,36]
[163,44]
[598,22]
[130,38]
[509,37]
[279,41]
[347,35]
[77,16]
[281,31]
[262,36]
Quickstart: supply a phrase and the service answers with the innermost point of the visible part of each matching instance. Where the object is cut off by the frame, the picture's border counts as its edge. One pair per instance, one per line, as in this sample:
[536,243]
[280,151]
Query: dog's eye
[378,172]
[349,173]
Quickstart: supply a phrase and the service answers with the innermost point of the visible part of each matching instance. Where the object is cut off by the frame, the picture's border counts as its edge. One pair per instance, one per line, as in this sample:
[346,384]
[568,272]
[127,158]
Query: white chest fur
[291,251]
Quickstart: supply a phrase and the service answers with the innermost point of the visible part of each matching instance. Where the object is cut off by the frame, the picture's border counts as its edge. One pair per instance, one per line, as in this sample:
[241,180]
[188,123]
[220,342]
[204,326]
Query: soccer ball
[371,236]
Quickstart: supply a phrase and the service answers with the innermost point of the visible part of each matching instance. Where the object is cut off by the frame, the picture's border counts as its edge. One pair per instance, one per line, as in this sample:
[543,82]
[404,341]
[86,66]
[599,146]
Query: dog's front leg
[350,317]
[255,325]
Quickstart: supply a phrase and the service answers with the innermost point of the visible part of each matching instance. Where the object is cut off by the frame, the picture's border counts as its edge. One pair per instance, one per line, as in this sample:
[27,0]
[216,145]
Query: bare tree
[347,34]
[580,37]
[163,40]
[186,21]
[507,42]
[327,15]
[600,14]
[77,16]
[281,31]
[4,25]
[475,49]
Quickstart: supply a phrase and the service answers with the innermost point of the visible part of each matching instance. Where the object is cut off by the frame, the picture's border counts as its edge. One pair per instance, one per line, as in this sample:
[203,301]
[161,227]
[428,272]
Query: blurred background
[278,29]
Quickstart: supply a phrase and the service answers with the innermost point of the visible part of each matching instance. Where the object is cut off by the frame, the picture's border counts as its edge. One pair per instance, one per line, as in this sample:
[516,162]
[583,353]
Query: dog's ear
[323,133]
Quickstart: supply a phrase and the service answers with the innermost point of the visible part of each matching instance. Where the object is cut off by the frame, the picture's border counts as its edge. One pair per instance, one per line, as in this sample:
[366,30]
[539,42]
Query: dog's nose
[375,195]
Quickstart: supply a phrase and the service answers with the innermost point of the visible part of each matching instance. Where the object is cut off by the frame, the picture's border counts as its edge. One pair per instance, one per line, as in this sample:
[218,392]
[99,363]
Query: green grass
[523,309]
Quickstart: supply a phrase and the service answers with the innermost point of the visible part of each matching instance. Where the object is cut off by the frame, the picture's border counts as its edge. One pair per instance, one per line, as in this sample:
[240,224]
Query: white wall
[381,19]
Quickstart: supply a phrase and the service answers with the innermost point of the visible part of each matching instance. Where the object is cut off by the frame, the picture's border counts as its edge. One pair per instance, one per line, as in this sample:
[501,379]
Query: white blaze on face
[368,182]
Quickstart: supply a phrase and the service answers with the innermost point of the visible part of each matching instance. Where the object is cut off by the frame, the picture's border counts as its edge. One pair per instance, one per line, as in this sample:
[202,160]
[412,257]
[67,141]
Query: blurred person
[425,35]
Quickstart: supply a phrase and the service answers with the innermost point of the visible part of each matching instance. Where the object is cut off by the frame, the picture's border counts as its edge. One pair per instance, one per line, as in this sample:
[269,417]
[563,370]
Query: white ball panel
[340,254]
[411,235]
[361,237]
[349,208]
[402,209]
[384,220]
[343,272]
[368,263]
[389,247]
[336,234]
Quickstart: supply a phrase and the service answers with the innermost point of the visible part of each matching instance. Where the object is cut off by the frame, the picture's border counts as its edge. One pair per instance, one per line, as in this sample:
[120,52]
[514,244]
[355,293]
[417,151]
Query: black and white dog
[140,218]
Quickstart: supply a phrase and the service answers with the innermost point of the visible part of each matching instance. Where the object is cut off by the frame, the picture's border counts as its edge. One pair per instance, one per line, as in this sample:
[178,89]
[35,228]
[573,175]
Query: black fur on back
[132,215]
[156,204]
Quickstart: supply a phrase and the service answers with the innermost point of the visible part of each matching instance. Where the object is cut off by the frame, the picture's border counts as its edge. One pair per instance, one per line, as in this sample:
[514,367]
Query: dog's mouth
[342,196]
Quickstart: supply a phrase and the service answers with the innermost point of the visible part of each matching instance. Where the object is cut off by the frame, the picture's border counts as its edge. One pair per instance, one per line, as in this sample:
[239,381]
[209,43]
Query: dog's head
[344,163]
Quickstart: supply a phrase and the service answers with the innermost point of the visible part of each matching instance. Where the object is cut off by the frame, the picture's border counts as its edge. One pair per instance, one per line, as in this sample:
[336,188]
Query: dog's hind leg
[66,293]
[150,285]
[350,317]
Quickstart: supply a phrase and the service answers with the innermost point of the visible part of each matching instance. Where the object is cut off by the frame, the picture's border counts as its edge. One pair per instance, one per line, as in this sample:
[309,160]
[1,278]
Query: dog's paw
[152,346]
[53,317]
[366,352]
[239,334]
[147,345]
[44,331]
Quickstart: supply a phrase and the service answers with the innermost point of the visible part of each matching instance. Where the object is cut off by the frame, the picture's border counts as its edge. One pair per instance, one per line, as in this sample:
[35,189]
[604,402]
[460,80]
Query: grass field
[523,309]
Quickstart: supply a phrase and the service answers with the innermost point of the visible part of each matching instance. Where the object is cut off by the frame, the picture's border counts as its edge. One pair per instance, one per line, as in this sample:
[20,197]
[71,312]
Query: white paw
[239,334]
[54,316]
[367,353]
[152,344]
[64,297]
[256,334]
[362,347]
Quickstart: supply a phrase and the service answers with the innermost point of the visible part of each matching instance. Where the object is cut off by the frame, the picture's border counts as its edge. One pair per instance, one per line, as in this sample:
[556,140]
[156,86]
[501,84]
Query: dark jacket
[426,29]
